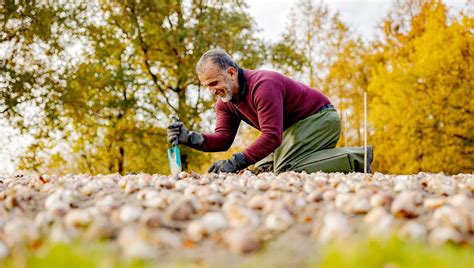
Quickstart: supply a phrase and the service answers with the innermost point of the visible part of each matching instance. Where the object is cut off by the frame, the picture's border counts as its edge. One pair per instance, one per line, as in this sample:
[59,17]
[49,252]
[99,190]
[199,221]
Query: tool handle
[175,119]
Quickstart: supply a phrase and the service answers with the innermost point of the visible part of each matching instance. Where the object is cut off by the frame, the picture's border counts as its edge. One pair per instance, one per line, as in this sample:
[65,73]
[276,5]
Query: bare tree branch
[144,49]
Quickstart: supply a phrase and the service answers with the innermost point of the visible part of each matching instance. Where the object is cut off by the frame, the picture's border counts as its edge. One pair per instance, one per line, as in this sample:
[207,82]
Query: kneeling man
[299,126]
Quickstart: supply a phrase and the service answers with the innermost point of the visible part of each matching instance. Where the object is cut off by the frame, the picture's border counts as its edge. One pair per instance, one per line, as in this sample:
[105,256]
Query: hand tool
[174,157]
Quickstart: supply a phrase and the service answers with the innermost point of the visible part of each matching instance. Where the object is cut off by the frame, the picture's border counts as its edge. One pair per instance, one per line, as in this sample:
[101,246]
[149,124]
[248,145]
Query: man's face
[217,81]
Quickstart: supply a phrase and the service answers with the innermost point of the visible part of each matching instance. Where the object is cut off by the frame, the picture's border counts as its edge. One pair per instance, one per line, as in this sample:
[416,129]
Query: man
[299,126]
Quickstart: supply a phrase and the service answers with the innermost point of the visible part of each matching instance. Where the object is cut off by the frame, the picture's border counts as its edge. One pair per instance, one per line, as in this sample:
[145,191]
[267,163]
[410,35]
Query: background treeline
[92,83]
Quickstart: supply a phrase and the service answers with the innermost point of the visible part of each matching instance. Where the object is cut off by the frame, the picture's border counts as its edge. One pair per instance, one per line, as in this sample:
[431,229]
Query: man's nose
[213,91]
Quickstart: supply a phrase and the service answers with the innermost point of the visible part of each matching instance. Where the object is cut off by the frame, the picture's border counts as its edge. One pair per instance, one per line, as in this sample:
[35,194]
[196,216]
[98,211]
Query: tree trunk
[121,159]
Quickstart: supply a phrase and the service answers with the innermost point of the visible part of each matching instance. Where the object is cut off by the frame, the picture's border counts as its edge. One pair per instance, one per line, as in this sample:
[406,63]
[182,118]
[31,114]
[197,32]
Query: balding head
[218,72]
[217,57]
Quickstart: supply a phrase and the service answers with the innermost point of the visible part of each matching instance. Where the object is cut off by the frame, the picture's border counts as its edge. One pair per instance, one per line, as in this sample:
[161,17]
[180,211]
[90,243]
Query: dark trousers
[309,145]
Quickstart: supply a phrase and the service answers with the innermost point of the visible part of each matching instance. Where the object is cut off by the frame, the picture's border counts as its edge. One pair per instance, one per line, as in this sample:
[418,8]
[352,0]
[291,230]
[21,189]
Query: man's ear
[232,72]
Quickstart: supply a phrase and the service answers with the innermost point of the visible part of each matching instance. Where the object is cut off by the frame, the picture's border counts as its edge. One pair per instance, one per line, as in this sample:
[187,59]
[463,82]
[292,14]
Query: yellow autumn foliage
[422,97]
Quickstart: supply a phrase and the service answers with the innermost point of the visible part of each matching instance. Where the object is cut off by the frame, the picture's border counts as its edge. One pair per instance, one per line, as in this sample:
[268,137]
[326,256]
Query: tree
[349,77]
[138,69]
[310,44]
[33,38]
[319,49]
[30,34]
[422,94]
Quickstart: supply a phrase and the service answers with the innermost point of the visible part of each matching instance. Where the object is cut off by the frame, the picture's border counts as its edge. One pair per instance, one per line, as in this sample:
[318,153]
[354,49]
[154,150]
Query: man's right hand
[178,132]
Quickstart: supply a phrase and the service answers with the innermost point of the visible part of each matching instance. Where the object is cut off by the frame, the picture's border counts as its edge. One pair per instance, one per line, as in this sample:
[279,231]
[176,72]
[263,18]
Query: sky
[362,16]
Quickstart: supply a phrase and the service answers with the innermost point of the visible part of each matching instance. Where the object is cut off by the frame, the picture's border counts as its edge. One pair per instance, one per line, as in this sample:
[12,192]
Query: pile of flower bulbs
[144,214]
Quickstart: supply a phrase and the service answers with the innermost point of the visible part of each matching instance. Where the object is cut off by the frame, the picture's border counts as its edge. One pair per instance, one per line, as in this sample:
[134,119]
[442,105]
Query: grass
[71,255]
[368,253]
[397,253]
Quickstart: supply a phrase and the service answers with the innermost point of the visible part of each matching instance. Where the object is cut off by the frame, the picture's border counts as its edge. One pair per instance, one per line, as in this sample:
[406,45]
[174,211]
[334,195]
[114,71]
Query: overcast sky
[361,16]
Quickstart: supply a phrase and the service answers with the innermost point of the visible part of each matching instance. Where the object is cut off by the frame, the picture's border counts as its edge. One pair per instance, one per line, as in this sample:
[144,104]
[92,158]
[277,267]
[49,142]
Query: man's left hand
[234,164]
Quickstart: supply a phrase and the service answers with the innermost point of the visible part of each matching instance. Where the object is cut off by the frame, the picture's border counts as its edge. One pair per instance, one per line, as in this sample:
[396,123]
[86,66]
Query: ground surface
[231,220]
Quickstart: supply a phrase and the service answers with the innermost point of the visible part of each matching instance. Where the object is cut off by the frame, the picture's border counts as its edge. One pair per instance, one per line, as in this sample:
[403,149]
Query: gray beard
[227,98]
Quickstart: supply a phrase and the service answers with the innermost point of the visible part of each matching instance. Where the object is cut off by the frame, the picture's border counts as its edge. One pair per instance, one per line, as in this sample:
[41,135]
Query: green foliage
[107,110]
[364,253]
[394,253]
[29,33]
[72,255]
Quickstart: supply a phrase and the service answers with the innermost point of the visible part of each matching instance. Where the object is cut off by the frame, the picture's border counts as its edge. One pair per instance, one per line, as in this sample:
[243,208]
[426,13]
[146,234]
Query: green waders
[309,145]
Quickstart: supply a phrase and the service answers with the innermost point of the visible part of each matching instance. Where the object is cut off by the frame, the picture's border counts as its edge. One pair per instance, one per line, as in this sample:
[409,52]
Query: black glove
[177,131]
[234,164]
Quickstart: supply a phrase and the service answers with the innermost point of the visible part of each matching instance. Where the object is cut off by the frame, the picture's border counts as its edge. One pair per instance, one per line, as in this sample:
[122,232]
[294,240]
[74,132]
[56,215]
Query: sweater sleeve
[269,103]
[226,128]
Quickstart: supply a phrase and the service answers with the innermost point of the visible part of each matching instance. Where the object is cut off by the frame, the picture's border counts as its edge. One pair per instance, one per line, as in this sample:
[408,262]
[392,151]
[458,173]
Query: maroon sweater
[273,103]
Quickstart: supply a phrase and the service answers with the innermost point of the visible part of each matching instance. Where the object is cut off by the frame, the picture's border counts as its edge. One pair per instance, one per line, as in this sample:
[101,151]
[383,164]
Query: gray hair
[218,57]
